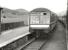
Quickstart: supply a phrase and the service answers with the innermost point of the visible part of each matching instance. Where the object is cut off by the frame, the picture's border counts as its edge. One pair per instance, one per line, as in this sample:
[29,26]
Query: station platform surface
[57,40]
[9,36]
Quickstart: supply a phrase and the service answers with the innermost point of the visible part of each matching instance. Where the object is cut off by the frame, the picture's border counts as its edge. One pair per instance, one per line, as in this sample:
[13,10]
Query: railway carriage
[11,21]
[42,19]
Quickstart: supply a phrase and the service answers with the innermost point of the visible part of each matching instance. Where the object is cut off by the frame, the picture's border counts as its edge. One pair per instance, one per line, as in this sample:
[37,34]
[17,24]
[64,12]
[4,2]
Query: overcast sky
[54,5]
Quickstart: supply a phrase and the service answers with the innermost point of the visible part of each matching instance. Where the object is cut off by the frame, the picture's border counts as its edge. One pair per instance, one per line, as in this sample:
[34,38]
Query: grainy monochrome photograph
[33,25]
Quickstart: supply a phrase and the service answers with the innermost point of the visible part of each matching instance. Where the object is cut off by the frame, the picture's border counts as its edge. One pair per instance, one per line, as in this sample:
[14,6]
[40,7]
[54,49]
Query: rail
[64,24]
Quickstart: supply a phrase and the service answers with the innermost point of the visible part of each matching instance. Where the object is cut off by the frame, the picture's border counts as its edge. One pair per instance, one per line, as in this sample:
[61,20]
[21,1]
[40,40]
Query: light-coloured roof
[40,10]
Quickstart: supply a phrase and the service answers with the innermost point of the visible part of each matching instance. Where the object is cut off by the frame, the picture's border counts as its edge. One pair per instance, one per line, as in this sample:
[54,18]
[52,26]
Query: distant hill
[63,13]
[21,10]
[5,10]
[14,13]
[19,15]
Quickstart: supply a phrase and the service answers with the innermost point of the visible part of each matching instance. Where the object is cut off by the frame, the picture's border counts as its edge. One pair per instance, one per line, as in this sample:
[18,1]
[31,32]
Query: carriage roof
[40,10]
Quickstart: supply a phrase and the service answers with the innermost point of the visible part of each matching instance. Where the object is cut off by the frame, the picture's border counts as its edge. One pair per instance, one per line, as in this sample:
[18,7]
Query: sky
[56,6]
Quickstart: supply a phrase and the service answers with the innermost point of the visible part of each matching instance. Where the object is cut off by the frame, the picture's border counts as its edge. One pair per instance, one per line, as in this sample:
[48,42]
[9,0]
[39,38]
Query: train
[11,21]
[42,19]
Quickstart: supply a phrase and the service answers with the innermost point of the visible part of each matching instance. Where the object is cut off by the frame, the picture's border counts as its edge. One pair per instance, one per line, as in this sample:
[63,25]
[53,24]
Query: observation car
[42,19]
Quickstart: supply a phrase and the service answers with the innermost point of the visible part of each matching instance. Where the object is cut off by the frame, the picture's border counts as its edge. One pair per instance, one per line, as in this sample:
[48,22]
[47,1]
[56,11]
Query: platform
[12,35]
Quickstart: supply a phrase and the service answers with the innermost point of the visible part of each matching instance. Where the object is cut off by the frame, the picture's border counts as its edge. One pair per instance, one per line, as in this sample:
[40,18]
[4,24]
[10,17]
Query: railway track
[39,42]
[64,25]
[35,45]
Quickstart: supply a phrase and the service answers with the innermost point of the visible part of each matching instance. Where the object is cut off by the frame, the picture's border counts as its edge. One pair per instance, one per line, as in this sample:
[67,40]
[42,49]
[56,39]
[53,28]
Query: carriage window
[14,13]
[2,11]
[44,13]
[52,17]
[8,26]
[4,16]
